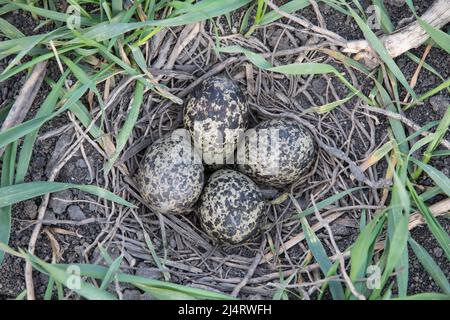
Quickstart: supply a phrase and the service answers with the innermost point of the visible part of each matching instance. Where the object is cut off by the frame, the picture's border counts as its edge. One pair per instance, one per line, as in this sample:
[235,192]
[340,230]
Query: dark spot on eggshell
[219,109]
[277,165]
[230,207]
[171,175]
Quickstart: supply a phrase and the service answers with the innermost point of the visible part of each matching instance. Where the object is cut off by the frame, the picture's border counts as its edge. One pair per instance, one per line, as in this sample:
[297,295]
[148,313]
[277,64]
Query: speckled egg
[276,152]
[230,207]
[216,115]
[171,177]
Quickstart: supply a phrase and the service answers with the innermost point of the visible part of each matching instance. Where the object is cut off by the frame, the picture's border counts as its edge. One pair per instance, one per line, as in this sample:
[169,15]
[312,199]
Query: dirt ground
[77,206]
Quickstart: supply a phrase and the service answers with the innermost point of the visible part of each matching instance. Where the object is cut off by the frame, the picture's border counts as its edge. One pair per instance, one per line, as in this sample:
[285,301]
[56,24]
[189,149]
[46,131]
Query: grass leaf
[432,268]
[437,176]
[378,46]
[127,128]
[24,191]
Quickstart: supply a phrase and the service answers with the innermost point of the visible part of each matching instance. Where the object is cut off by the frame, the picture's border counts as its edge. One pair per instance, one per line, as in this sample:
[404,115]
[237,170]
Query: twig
[25,98]
[404,39]
[43,207]
[251,269]
[406,121]
[37,228]
[415,76]
[329,35]
[301,236]
[187,35]
[415,220]
[338,254]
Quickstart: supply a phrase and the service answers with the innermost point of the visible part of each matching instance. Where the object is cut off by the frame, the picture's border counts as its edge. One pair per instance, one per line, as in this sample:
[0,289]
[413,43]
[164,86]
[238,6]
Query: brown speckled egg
[230,207]
[171,175]
[276,152]
[216,115]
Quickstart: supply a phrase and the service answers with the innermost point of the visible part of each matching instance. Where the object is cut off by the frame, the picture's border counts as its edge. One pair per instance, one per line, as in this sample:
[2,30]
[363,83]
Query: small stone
[438,252]
[75,213]
[149,273]
[140,235]
[81,163]
[60,147]
[255,297]
[131,295]
[173,243]
[39,161]
[30,209]
[92,207]
[69,169]
[439,104]
[57,205]
[49,215]
[397,3]
[146,296]
[340,230]
[319,85]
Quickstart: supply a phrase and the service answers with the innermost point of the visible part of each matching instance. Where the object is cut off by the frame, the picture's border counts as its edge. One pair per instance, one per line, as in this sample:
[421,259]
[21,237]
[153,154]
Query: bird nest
[174,246]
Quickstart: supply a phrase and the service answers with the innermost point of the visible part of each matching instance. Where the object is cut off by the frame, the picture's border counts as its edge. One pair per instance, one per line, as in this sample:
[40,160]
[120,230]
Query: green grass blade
[22,295]
[200,11]
[439,36]
[255,58]
[52,15]
[426,296]
[288,7]
[281,291]
[244,23]
[331,105]
[378,46]
[331,272]
[425,65]
[318,68]
[397,246]
[82,288]
[49,290]
[430,193]
[99,272]
[322,259]
[26,65]
[436,140]
[9,30]
[7,174]
[29,43]
[361,251]
[125,131]
[437,176]
[14,133]
[328,201]
[24,191]
[27,147]
[432,268]
[396,125]
[116,6]
[293,69]
[436,229]
[112,271]
[432,92]
[164,294]
[382,13]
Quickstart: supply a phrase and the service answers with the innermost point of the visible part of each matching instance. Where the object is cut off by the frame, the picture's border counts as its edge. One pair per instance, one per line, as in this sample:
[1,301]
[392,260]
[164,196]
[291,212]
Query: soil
[74,239]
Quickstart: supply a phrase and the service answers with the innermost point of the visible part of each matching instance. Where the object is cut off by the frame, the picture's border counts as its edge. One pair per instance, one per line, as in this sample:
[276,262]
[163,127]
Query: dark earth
[75,238]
